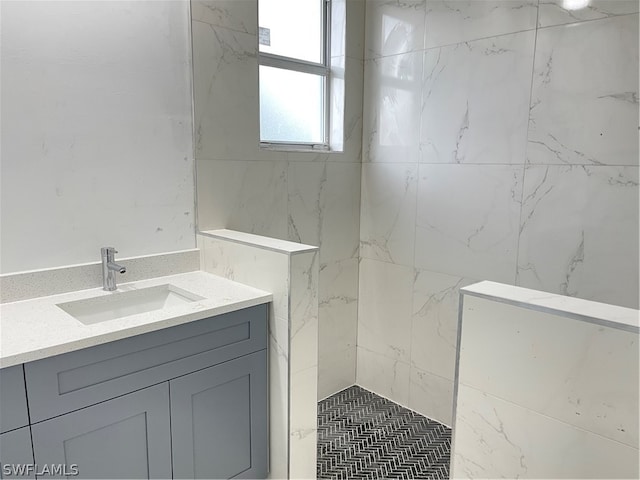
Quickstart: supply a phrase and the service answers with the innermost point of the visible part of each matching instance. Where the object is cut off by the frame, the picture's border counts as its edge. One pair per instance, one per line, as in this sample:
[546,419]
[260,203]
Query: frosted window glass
[291,106]
[295,28]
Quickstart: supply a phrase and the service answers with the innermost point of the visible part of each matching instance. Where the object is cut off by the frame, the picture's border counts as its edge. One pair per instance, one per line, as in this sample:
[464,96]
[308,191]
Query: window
[294,73]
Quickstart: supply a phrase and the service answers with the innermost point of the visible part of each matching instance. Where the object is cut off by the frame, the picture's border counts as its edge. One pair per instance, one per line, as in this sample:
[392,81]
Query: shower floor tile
[363,435]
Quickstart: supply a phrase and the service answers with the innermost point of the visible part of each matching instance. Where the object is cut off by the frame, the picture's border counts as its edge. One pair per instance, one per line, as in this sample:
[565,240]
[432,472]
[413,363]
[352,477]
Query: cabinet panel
[13,399]
[219,420]
[127,437]
[78,379]
[16,456]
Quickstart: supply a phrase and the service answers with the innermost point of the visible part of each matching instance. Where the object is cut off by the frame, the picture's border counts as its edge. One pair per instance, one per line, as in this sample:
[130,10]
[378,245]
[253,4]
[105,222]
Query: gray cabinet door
[16,456]
[126,437]
[219,420]
[75,380]
[13,399]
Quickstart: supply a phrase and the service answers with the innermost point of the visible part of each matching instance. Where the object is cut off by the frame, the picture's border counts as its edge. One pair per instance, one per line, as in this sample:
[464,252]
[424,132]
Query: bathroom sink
[124,304]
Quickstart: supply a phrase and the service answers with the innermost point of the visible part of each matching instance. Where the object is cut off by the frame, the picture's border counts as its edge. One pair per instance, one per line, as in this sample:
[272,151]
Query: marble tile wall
[566,378]
[291,275]
[500,142]
[312,198]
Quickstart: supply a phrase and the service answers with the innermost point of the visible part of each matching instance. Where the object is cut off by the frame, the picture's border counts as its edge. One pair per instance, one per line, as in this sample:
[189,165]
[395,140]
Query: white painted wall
[96,131]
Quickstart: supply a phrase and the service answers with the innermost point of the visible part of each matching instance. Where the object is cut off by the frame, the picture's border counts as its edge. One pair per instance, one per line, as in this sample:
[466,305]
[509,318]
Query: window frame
[320,69]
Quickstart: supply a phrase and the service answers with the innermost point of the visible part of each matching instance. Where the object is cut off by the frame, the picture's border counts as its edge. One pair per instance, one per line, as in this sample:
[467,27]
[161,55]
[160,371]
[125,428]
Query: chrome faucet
[109,268]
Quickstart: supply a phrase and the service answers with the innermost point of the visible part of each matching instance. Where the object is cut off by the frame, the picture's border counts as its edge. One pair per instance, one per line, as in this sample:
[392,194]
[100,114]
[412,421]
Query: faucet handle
[108,251]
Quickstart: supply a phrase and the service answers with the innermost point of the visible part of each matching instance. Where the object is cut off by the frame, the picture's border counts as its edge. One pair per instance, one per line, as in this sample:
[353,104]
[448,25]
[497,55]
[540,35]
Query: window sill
[293,147]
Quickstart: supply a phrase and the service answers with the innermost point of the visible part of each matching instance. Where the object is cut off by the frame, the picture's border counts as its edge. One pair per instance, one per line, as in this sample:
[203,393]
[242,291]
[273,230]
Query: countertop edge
[51,351]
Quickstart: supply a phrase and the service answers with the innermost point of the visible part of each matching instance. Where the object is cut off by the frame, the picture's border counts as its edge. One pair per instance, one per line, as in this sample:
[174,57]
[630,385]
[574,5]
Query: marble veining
[489,123]
[475,232]
[456,21]
[434,324]
[385,293]
[392,111]
[394,26]
[603,102]
[532,368]
[234,15]
[554,12]
[249,196]
[592,211]
[387,212]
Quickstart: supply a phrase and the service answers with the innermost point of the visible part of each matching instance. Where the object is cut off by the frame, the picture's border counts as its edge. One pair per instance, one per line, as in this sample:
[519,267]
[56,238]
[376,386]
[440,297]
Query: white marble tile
[250,196]
[340,233]
[434,324]
[497,439]
[384,309]
[392,94]
[257,267]
[278,397]
[393,27]
[488,123]
[586,74]
[557,12]
[353,119]
[457,21]
[347,28]
[303,316]
[226,93]
[579,232]
[336,372]
[431,395]
[387,212]
[383,375]
[236,15]
[324,207]
[469,215]
[306,183]
[573,371]
[259,241]
[621,318]
[355,35]
[303,424]
[338,307]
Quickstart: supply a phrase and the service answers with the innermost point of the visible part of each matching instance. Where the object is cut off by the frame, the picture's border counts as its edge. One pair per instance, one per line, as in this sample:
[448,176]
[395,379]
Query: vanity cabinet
[218,420]
[189,401]
[13,400]
[126,437]
[16,454]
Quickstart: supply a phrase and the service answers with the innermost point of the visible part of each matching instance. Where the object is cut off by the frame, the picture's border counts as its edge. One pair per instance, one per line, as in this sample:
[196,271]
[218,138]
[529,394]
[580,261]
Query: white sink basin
[124,304]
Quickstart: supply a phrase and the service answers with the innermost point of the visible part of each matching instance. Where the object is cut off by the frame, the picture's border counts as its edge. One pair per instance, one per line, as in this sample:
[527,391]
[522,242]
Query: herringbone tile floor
[362,435]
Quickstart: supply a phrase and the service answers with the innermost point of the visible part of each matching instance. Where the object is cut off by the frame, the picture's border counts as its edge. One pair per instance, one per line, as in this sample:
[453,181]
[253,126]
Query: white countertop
[38,328]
